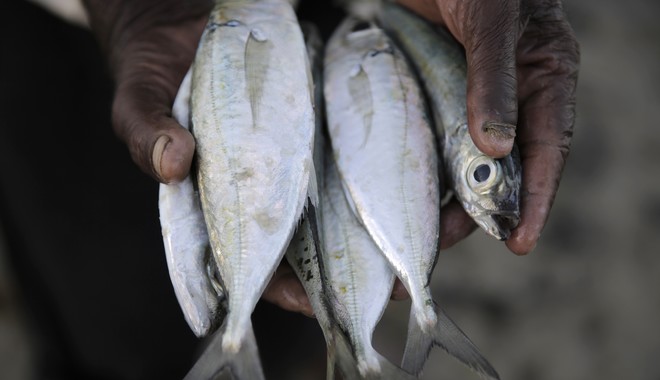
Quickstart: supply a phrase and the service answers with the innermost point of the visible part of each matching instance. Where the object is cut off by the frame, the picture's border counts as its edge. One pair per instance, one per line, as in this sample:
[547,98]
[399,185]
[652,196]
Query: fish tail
[450,338]
[341,357]
[242,362]
[331,364]
[418,346]
[389,370]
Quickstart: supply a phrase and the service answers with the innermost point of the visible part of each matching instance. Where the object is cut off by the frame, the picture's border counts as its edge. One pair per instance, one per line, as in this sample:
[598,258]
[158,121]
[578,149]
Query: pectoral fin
[257,60]
[360,90]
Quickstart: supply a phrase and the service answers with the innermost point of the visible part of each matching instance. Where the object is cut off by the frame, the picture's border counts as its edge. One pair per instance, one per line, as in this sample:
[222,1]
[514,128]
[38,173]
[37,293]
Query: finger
[399,292]
[541,172]
[455,224]
[157,143]
[489,31]
[549,60]
[286,291]
[148,71]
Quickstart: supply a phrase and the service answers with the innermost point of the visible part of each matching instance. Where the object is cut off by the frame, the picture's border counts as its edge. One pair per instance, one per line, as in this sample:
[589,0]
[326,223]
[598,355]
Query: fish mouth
[499,225]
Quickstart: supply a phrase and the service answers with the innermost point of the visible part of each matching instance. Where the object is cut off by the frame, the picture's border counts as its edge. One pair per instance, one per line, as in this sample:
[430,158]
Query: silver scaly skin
[314,46]
[346,300]
[385,152]
[487,188]
[386,158]
[304,255]
[304,250]
[358,280]
[187,247]
[253,123]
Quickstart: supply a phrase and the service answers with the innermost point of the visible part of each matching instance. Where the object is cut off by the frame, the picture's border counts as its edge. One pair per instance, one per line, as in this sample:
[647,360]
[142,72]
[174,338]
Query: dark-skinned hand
[522,62]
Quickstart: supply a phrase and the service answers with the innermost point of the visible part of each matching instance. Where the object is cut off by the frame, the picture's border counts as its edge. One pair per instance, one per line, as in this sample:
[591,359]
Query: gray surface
[584,305]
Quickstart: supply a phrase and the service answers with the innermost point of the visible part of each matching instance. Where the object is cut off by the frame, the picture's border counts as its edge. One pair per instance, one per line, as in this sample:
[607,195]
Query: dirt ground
[584,304]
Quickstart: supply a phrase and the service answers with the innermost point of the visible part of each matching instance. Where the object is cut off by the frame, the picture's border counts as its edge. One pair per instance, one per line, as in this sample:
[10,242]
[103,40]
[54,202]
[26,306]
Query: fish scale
[253,123]
[186,241]
[389,173]
[359,278]
[347,300]
[388,167]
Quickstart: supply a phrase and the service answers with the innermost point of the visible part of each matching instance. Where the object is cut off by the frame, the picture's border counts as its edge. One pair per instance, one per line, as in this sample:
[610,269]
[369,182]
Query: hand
[150,45]
[522,62]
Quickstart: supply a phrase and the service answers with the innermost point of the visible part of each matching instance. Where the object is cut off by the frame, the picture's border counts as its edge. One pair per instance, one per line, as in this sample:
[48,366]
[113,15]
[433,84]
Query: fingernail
[157,154]
[500,134]
[503,131]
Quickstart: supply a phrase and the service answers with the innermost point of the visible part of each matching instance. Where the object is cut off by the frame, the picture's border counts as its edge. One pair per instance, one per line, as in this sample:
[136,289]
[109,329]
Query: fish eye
[482,173]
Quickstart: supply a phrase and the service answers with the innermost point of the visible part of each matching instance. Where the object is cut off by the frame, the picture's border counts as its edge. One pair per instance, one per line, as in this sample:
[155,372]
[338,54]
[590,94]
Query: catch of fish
[351,207]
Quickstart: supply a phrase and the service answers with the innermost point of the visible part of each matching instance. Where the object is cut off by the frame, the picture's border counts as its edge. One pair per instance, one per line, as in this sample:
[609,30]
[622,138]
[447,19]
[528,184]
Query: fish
[253,123]
[304,255]
[487,188]
[387,160]
[347,301]
[314,47]
[359,280]
[186,241]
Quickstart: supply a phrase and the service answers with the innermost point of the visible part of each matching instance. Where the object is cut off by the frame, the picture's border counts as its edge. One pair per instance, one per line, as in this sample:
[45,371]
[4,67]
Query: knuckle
[549,40]
[549,150]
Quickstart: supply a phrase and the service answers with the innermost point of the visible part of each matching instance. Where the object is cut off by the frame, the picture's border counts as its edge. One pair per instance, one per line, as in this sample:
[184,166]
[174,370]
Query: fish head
[491,190]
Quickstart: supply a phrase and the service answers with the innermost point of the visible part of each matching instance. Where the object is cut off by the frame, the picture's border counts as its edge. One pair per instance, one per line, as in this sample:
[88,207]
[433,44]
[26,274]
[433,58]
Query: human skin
[522,60]
[522,70]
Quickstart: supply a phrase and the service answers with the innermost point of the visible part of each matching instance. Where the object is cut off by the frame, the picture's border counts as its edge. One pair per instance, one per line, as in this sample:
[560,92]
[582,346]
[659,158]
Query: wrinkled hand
[150,45]
[522,60]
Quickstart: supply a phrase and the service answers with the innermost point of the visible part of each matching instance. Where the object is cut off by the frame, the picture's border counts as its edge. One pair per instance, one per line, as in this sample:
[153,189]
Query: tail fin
[243,364]
[389,370]
[450,338]
[342,357]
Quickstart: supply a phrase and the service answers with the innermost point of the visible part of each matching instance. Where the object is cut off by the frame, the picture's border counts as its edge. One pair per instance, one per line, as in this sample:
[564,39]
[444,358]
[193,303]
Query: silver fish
[359,280]
[253,122]
[384,150]
[314,46]
[187,247]
[386,156]
[304,254]
[305,247]
[347,302]
[487,188]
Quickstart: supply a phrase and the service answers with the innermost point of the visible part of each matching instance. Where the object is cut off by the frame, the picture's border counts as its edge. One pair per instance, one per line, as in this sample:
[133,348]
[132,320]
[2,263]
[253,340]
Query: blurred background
[584,304]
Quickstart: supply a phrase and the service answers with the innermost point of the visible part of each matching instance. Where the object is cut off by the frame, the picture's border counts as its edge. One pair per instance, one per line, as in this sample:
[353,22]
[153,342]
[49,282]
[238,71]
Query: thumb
[489,32]
[157,143]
